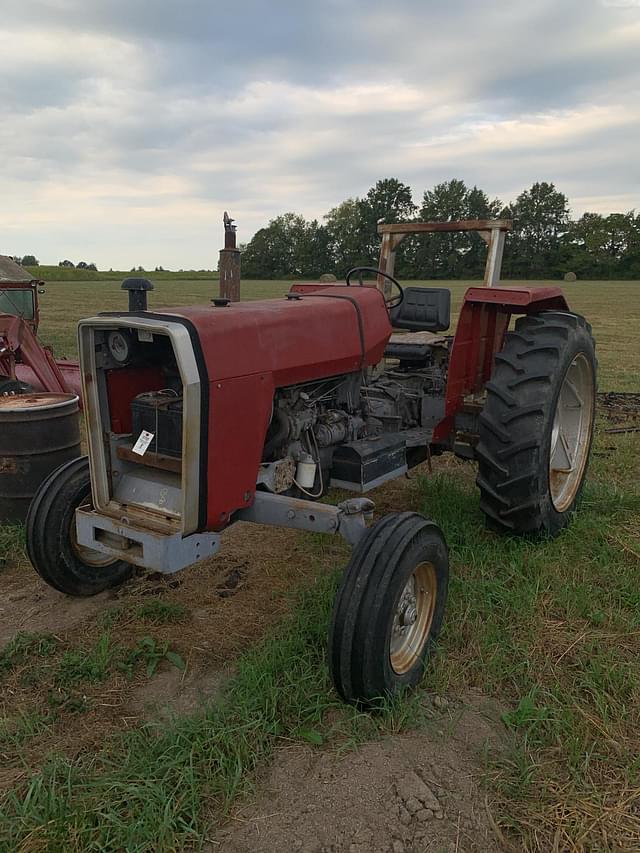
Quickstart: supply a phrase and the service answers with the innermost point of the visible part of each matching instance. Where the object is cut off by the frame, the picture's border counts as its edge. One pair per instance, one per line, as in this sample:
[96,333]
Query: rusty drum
[38,433]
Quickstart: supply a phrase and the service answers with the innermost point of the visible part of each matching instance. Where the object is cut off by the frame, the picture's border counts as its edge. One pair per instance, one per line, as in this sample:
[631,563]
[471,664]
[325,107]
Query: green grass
[159,612]
[16,731]
[24,647]
[11,543]
[88,664]
[552,629]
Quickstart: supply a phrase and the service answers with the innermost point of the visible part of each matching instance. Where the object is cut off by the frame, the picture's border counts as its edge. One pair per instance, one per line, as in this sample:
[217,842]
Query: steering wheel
[392,301]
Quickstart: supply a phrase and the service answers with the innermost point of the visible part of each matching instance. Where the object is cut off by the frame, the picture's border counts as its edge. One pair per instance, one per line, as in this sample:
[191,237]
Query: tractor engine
[317,424]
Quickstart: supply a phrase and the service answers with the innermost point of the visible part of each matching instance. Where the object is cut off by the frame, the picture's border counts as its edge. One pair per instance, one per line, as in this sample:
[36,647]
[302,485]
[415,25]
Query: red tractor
[199,417]
[26,365]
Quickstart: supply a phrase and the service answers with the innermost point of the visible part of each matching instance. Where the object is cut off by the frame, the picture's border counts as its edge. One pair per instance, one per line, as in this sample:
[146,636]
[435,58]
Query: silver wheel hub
[571,433]
[412,618]
[407,609]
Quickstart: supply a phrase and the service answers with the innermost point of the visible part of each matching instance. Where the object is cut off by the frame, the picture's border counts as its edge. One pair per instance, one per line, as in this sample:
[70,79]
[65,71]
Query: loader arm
[19,343]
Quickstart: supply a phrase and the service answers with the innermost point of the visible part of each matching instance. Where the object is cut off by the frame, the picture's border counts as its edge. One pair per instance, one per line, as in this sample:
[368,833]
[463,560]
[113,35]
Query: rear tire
[537,424]
[389,608]
[51,536]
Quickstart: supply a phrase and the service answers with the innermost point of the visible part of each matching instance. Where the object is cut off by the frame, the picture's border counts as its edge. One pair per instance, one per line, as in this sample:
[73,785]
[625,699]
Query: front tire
[51,536]
[537,424]
[389,608]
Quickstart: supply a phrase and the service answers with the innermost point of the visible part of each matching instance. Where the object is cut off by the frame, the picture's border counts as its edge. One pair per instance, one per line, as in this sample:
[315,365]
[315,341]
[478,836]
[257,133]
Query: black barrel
[38,433]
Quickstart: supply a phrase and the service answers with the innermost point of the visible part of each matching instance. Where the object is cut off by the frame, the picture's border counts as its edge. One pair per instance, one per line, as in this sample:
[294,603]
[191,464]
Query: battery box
[160,413]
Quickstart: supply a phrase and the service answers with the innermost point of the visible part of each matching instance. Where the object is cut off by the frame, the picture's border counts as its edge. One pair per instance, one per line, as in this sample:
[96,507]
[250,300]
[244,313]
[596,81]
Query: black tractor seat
[423,309]
[424,312]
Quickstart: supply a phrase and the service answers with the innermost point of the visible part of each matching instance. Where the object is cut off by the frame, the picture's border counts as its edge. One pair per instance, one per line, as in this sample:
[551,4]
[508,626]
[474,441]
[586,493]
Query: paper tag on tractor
[142,444]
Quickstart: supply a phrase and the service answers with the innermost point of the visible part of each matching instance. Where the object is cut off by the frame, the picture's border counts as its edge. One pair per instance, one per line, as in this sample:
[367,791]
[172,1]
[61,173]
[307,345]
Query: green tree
[287,248]
[388,201]
[30,261]
[346,236]
[604,246]
[453,254]
[540,222]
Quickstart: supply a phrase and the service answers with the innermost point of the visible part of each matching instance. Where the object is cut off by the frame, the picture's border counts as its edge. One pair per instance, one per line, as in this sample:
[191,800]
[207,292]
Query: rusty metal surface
[38,433]
[229,231]
[229,263]
[492,231]
[26,402]
[461,225]
[11,271]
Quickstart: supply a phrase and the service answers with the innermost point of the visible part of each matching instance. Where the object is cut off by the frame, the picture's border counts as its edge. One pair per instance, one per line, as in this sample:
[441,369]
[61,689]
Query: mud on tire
[537,424]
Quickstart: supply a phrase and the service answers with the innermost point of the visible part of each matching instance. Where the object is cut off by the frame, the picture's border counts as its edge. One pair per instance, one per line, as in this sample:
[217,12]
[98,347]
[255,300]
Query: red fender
[483,321]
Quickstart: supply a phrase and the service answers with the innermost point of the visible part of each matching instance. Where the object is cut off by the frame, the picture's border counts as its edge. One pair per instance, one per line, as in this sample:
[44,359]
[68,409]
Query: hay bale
[570,276]
[328,276]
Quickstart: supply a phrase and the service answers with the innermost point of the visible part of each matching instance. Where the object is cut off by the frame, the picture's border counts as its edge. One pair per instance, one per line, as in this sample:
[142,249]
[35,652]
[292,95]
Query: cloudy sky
[128,126]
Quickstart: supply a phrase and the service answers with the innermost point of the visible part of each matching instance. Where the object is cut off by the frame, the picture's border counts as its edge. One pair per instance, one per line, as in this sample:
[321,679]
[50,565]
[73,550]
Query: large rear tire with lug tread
[537,424]
[51,536]
[389,608]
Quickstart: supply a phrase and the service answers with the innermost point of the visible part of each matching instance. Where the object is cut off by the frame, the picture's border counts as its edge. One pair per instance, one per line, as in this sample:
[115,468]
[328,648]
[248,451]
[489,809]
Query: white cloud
[131,127]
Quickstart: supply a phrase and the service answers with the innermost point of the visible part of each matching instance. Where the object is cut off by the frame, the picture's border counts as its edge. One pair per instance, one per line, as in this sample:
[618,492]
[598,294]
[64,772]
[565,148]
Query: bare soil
[409,793]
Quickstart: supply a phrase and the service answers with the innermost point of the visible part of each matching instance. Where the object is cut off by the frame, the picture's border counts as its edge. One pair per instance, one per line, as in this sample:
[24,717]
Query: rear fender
[483,321]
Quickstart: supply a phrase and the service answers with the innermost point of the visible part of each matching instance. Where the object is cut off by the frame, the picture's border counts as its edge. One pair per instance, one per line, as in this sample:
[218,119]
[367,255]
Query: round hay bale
[328,276]
[570,276]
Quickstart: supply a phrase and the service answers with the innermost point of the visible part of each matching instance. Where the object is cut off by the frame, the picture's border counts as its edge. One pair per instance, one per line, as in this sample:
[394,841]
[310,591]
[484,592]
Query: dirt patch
[409,793]
[29,605]
[174,692]
[247,583]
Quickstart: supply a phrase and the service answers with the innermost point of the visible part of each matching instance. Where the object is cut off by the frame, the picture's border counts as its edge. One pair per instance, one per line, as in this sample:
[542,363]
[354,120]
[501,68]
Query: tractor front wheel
[52,543]
[537,424]
[389,608]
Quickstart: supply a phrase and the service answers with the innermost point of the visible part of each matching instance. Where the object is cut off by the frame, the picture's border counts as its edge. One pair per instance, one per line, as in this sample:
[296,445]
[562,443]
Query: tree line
[32,261]
[545,242]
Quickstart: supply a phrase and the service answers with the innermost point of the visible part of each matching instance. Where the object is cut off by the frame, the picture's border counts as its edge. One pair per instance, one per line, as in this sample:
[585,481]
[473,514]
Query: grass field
[551,630]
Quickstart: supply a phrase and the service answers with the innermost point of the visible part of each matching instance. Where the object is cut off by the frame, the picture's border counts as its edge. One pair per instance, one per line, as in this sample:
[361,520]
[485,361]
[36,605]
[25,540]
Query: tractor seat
[423,309]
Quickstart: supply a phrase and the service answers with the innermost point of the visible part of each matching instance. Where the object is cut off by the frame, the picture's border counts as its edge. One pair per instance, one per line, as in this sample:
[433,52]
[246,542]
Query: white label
[144,335]
[142,444]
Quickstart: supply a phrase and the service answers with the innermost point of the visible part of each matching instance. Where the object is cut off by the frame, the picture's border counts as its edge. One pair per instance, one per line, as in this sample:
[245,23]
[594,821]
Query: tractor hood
[206,375]
[298,338]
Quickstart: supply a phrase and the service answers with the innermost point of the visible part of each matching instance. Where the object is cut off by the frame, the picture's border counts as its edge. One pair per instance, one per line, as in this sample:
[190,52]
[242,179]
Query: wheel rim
[412,618]
[571,433]
[88,556]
